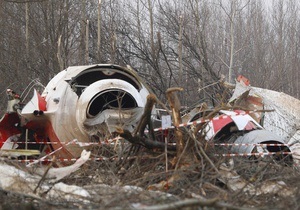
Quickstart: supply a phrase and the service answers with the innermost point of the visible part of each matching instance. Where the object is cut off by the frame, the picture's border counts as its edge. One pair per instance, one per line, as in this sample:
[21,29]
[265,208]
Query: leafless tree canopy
[193,44]
[189,44]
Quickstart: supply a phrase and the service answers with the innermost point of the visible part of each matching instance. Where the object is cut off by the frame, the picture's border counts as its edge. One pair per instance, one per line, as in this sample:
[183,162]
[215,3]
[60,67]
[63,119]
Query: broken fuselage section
[80,102]
[240,133]
[234,133]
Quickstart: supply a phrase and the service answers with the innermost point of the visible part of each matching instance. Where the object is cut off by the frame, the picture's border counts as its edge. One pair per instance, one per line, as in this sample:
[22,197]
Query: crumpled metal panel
[254,137]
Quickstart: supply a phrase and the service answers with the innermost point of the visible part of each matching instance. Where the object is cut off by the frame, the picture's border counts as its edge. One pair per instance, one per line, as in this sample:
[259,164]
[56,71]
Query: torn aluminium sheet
[18,180]
[284,120]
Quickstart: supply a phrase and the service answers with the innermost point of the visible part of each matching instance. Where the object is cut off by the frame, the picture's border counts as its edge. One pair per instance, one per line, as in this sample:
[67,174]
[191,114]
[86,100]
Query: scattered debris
[53,175]
[236,183]
[107,113]
[20,180]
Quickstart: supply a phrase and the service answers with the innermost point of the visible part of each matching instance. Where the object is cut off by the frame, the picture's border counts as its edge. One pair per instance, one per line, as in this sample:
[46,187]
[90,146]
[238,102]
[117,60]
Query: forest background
[191,44]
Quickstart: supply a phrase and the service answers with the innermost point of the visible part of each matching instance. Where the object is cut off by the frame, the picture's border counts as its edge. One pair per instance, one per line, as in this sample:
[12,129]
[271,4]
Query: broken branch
[196,203]
[147,143]
[175,107]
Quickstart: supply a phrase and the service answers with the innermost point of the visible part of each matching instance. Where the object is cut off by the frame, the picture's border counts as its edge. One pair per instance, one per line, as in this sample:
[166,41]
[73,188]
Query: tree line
[191,44]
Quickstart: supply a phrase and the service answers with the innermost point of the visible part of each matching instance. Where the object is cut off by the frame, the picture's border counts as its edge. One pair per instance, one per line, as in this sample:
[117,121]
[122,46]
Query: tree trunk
[99,32]
[59,58]
[87,42]
[231,43]
[27,33]
[150,9]
[175,108]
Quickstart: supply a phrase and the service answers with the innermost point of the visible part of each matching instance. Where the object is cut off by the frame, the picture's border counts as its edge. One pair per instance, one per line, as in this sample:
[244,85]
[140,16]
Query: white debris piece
[61,191]
[56,174]
[16,180]
[285,120]
[20,181]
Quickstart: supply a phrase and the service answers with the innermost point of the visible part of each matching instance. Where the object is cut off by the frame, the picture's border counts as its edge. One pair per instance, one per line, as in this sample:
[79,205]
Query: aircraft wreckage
[85,103]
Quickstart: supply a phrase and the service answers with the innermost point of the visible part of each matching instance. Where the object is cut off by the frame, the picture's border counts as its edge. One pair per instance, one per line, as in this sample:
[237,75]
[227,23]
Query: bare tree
[87,42]
[27,29]
[151,25]
[83,24]
[232,10]
[99,30]
[188,44]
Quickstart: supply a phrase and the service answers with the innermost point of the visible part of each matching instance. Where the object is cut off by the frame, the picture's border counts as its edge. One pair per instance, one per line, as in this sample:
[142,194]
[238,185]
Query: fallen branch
[145,142]
[138,137]
[196,203]
[44,175]
[146,117]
